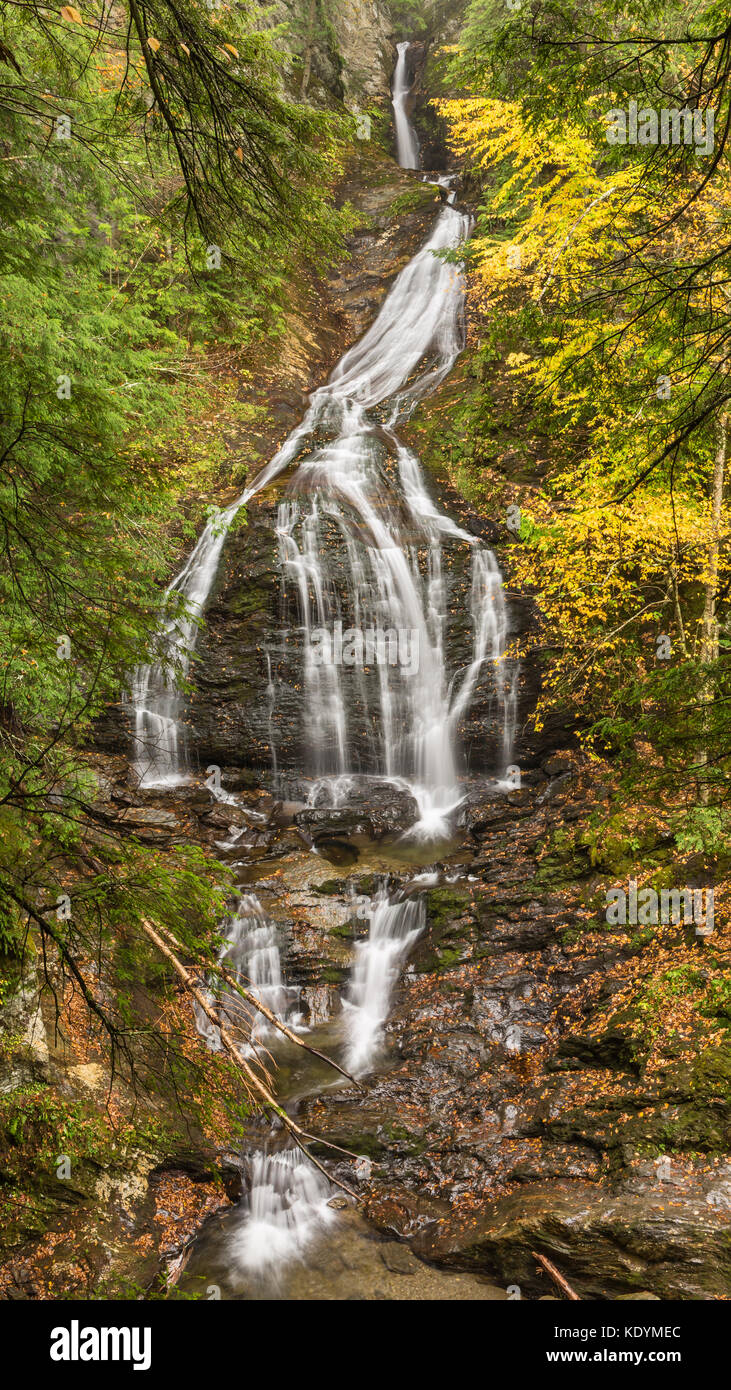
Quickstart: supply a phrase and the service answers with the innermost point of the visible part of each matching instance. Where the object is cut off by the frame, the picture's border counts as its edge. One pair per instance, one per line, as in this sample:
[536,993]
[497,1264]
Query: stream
[362,549]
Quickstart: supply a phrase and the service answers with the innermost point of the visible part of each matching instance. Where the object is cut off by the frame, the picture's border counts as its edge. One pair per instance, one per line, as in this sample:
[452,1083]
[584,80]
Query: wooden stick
[262,1009]
[253,1084]
[557,1278]
[282,1027]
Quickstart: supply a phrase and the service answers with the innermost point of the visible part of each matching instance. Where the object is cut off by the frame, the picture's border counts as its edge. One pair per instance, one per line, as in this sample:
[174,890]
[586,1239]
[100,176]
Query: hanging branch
[261,1008]
[255,1088]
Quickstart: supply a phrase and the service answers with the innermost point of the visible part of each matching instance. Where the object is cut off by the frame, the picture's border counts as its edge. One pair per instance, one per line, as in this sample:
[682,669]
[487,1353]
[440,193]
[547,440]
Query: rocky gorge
[519,1102]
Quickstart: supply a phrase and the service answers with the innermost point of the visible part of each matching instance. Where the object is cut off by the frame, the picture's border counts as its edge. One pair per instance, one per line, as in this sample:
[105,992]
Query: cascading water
[252,955]
[393,929]
[364,550]
[285,1209]
[407,144]
[357,518]
[155,693]
[365,547]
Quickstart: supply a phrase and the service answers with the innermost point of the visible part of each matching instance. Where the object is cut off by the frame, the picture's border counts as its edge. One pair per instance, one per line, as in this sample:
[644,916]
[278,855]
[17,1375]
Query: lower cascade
[252,955]
[284,1210]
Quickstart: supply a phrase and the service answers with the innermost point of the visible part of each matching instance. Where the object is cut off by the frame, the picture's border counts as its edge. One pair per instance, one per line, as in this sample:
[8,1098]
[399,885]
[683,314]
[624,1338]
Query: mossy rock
[614,1048]
[331,888]
[334,975]
[345,931]
[444,905]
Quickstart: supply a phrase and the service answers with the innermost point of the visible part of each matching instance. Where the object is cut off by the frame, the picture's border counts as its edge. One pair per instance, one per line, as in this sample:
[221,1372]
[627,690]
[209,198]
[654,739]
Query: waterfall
[393,929]
[251,953]
[159,752]
[366,551]
[285,1208]
[286,1205]
[155,691]
[407,144]
[343,492]
[362,543]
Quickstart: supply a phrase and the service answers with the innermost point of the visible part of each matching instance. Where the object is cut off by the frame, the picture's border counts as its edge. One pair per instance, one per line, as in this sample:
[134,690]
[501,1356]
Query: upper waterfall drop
[364,544]
[407,144]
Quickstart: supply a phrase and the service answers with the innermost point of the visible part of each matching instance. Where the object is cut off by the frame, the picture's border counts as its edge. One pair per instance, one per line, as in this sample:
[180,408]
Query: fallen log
[557,1277]
[256,1088]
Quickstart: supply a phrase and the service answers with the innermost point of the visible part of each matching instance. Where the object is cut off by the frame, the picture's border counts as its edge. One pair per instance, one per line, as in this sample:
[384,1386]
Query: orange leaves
[71,15]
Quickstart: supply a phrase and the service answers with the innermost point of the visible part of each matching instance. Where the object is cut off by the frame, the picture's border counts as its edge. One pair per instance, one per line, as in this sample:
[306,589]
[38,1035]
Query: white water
[342,490]
[376,570]
[252,955]
[363,544]
[393,929]
[407,145]
[155,694]
[284,1210]
[361,540]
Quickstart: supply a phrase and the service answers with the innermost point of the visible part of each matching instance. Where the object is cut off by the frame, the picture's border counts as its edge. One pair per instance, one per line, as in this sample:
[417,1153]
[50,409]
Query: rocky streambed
[519,1102]
[517,1105]
[512,1109]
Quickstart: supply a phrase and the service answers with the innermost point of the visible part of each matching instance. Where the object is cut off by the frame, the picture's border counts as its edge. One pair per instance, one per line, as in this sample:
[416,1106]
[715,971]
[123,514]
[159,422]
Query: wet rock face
[374,811]
[350,55]
[247,707]
[515,1112]
[629,1240]
[228,718]
[363,34]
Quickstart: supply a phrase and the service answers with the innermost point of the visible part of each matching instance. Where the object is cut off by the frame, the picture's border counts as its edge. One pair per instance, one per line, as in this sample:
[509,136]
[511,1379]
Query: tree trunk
[678,614]
[709,626]
[309,41]
[709,631]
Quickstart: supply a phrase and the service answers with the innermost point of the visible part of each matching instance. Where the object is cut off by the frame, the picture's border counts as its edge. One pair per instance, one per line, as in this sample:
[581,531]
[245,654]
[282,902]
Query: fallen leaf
[154,44]
[71,14]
